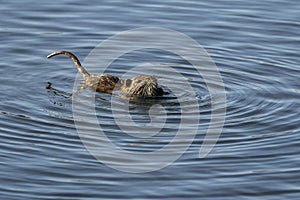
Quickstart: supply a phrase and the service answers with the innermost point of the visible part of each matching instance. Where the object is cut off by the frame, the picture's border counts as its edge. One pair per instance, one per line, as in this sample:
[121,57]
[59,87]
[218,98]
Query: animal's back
[102,83]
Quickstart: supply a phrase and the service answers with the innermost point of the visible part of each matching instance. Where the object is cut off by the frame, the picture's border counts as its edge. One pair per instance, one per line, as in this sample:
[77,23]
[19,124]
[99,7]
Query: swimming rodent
[140,86]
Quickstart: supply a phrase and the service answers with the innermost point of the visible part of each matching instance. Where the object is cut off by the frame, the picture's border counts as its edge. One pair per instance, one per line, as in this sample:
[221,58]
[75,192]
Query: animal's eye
[128,82]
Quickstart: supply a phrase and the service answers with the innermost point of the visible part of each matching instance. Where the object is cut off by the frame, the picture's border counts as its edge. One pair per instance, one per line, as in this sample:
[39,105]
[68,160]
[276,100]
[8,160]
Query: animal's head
[144,86]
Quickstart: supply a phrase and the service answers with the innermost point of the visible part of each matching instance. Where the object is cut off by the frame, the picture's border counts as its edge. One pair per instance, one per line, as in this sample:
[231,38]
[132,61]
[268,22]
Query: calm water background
[254,44]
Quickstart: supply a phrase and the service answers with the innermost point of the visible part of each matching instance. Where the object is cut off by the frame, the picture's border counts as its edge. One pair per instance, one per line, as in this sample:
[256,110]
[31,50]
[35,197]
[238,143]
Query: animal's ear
[128,82]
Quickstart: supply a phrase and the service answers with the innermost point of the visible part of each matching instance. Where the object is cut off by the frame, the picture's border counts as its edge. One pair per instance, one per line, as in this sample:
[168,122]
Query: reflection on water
[254,45]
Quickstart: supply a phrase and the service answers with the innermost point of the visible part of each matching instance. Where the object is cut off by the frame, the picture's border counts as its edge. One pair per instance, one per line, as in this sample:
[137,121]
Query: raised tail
[75,60]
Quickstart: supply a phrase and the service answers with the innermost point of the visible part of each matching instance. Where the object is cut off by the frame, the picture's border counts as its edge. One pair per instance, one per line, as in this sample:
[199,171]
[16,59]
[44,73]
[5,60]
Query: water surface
[255,46]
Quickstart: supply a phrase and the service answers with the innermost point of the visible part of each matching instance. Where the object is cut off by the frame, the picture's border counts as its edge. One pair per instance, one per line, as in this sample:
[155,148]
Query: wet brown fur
[144,86]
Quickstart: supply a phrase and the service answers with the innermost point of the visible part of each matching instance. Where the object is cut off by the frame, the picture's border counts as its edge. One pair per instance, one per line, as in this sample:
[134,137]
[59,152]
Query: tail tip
[49,56]
[55,53]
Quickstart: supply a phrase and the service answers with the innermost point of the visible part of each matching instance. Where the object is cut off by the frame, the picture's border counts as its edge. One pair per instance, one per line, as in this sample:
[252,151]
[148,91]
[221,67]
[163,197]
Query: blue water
[255,46]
